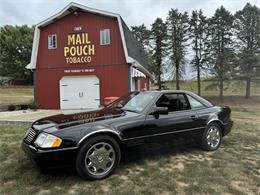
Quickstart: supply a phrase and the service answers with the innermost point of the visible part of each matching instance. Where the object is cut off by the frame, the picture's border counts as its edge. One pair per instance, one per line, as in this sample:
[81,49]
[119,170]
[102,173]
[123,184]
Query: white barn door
[79,92]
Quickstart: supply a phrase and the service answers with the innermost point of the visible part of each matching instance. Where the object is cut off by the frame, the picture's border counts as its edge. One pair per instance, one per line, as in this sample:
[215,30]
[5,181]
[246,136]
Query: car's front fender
[99,130]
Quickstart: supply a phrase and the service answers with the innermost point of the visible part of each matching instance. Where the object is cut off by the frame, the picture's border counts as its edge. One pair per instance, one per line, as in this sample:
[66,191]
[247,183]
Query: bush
[33,106]
[11,107]
[24,106]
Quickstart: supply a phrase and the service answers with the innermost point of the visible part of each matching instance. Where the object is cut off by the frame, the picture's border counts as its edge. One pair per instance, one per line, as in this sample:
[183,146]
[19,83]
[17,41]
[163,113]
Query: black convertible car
[95,140]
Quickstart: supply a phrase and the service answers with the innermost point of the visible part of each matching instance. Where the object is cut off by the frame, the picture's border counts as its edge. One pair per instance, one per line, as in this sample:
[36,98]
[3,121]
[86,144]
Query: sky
[134,12]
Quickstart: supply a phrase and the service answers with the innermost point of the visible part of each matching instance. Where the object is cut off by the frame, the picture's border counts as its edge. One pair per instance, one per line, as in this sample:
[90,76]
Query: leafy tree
[159,37]
[15,46]
[198,35]
[247,31]
[142,34]
[220,46]
[178,28]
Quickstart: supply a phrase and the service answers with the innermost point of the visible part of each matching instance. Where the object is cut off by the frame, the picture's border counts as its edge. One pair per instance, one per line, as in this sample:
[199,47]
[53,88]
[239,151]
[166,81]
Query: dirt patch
[105,187]
[180,187]
[179,166]
[238,185]
[73,189]
[123,177]
[44,192]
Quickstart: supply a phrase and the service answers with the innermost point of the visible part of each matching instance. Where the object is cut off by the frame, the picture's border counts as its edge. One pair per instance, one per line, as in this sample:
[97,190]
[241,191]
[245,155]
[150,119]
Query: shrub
[11,107]
[33,106]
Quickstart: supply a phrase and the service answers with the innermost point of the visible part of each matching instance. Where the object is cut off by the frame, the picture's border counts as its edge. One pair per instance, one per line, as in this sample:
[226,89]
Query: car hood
[61,121]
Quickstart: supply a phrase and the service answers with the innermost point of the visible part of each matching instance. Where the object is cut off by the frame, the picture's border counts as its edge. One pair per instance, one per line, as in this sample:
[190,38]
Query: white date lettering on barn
[79,70]
[79,50]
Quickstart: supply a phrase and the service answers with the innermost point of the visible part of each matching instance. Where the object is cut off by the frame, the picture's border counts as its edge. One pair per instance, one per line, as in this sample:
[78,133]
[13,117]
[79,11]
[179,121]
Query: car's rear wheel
[212,136]
[98,158]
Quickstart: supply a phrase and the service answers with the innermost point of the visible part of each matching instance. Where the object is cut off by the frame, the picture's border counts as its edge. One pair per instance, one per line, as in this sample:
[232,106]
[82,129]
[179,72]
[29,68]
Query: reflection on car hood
[67,120]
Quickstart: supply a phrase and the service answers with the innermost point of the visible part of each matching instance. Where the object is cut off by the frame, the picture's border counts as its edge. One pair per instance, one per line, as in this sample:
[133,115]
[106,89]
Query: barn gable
[134,54]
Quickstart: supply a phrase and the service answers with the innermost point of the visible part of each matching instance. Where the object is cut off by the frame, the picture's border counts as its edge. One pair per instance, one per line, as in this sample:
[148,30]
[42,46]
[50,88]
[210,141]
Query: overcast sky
[134,12]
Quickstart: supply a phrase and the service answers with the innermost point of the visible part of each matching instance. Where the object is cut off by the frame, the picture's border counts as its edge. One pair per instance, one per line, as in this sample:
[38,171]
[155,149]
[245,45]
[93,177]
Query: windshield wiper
[129,110]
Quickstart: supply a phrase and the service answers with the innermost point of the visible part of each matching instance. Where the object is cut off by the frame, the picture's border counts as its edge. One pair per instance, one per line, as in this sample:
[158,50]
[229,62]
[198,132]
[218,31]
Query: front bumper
[50,158]
[227,127]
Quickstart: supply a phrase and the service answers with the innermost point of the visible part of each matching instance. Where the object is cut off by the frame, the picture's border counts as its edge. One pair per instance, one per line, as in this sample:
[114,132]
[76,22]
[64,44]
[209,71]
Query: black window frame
[199,108]
[185,97]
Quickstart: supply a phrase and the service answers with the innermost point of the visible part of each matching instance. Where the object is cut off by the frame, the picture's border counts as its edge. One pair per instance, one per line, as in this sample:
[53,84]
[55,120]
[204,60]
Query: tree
[178,27]
[220,46]
[142,34]
[15,46]
[158,36]
[247,31]
[198,35]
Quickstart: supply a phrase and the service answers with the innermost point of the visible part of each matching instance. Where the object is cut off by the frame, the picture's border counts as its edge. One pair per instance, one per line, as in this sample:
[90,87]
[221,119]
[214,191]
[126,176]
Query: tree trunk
[221,86]
[159,84]
[198,77]
[248,87]
[177,77]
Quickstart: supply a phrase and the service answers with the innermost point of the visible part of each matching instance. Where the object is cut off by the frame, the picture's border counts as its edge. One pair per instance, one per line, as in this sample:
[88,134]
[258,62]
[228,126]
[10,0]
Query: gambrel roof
[134,54]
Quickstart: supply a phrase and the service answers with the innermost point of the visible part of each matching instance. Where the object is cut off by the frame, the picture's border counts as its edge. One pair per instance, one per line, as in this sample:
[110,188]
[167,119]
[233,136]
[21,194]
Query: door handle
[80,94]
[194,117]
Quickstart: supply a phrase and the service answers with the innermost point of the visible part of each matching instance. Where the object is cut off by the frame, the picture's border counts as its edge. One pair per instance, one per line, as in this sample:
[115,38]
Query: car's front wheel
[211,138]
[98,158]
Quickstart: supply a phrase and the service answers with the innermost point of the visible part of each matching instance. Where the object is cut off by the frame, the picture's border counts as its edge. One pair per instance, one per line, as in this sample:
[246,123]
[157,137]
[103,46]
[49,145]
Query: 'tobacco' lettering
[76,60]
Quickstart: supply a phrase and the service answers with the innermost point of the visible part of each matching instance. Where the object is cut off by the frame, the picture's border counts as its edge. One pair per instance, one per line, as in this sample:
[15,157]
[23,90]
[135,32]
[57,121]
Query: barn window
[52,41]
[104,37]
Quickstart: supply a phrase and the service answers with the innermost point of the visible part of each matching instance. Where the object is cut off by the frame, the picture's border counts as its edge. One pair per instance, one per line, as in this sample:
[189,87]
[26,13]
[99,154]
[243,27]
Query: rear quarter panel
[215,113]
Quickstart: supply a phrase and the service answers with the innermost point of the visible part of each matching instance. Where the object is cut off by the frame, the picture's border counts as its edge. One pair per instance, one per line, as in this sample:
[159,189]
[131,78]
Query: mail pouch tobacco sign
[79,49]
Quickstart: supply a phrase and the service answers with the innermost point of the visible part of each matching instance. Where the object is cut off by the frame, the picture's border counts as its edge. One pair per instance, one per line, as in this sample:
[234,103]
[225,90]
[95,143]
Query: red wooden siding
[108,62]
[91,24]
[113,82]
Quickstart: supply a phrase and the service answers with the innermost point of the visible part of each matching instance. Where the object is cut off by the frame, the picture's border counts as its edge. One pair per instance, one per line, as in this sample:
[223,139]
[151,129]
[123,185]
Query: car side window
[195,103]
[173,101]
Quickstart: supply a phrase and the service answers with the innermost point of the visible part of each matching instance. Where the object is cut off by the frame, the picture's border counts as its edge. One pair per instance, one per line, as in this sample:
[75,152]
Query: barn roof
[134,48]
[134,53]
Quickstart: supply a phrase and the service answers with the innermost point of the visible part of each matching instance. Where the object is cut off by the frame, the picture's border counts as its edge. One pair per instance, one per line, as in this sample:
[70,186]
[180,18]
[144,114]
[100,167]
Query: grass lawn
[236,88]
[16,95]
[153,169]
[232,88]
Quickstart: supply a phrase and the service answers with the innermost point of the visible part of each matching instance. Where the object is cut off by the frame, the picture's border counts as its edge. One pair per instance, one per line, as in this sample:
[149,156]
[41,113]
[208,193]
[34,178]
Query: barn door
[79,92]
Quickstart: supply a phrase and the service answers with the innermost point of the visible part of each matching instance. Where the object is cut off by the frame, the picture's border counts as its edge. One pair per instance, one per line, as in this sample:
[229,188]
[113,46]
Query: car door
[181,118]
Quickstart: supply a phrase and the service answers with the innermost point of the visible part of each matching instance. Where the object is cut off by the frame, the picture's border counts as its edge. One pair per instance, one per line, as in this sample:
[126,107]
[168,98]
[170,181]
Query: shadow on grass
[137,155]
[153,151]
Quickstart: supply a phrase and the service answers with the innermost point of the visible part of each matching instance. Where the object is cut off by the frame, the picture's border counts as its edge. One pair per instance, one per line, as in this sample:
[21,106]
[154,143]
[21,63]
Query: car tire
[212,137]
[98,158]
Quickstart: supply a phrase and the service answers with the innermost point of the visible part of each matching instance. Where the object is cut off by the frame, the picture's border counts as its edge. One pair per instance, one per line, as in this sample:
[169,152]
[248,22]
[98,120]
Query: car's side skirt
[166,133]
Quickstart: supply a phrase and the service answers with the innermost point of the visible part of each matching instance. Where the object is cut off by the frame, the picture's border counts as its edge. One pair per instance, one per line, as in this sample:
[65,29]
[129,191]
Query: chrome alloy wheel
[100,158]
[213,137]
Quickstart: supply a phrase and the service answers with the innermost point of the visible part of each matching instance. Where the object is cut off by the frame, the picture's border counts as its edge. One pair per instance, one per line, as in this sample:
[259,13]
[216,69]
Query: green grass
[16,95]
[232,88]
[154,169]
[235,88]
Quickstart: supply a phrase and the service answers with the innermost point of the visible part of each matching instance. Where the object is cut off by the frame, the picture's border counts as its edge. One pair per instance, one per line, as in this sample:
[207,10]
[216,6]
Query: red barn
[82,55]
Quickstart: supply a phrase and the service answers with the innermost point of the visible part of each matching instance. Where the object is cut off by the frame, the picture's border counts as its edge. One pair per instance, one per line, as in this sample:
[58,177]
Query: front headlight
[45,140]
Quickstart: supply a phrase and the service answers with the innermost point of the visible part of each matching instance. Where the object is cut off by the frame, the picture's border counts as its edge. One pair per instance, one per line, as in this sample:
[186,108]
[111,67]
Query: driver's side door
[179,119]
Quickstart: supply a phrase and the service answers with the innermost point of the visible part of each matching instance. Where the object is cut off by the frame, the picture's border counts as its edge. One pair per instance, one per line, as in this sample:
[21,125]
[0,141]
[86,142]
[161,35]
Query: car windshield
[133,102]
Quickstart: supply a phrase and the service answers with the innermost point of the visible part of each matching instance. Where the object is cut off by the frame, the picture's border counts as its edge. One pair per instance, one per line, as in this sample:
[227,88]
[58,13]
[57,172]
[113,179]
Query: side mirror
[159,110]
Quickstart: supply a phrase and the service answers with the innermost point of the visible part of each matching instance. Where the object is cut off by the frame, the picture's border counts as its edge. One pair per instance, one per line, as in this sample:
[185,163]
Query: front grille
[30,135]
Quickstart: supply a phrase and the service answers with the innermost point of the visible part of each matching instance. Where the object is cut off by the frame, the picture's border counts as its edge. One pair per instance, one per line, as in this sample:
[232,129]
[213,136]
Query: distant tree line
[225,46]
[15,51]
